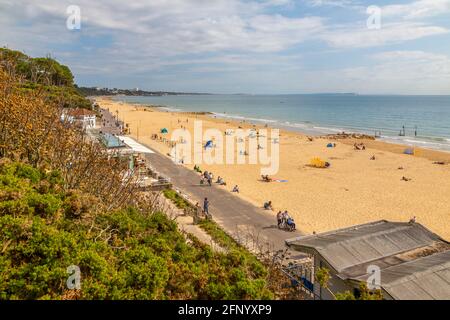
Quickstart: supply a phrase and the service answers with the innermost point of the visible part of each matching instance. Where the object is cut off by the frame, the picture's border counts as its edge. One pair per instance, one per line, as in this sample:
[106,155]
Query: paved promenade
[236,216]
[252,225]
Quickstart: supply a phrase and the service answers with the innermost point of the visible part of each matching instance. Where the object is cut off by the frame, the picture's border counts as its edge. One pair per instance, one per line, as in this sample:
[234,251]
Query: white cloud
[244,39]
[181,26]
[359,36]
[417,9]
[332,3]
[415,72]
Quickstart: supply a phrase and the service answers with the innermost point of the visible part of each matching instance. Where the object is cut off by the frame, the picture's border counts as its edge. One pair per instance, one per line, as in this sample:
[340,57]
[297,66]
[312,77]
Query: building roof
[80,112]
[352,246]
[423,278]
[111,141]
[411,258]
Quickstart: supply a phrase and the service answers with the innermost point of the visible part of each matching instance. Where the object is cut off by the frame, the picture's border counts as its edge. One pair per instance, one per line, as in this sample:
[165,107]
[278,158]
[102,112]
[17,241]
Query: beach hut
[164,130]
[419,277]
[209,144]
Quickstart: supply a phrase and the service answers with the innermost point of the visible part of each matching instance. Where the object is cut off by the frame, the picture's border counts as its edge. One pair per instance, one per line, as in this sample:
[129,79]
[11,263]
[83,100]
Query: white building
[85,117]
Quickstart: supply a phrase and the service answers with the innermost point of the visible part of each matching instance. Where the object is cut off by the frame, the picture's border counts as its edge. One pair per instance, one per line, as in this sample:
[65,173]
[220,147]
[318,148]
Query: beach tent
[330,145]
[164,130]
[409,151]
[209,144]
[319,163]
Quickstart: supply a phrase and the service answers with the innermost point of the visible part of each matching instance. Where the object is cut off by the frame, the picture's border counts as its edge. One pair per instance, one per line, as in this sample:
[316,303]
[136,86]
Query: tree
[323,277]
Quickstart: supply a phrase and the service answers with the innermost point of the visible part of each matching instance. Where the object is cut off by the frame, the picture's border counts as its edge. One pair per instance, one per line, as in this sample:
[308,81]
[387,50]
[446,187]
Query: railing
[301,275]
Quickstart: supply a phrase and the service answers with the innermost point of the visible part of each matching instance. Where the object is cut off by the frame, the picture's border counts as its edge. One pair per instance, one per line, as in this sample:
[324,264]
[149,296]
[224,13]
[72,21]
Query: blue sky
[238,46]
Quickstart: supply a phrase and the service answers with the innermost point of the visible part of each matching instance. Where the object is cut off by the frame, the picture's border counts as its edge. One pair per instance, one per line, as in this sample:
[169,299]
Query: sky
[239,46]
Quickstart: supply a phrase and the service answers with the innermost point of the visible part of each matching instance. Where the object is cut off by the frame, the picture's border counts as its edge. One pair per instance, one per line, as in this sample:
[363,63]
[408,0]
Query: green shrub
[123,254]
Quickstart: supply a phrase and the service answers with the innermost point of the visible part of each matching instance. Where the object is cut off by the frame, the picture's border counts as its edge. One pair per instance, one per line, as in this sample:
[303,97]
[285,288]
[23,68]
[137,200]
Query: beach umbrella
[209,144]
[164,130]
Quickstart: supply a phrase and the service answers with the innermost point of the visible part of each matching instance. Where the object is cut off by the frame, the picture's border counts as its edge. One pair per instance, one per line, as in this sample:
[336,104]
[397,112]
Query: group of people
[266,178]
[207,177]
[285,221]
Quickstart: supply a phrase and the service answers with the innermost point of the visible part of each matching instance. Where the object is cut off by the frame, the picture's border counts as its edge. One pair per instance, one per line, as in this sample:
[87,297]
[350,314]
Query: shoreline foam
[314,129]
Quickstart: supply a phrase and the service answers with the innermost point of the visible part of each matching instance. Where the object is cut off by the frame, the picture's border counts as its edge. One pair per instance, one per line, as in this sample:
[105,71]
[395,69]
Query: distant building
[413,262]
[87,118]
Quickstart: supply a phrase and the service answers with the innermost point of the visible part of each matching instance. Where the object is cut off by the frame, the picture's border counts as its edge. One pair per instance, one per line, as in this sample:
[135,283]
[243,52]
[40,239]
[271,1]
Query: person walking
[279,219]
[206,208]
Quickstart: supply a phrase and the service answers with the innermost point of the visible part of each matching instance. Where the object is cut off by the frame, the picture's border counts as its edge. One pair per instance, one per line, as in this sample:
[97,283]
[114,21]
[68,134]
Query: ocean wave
[296,125]
[170,109]
[332,130]
[235,116]
[411,141]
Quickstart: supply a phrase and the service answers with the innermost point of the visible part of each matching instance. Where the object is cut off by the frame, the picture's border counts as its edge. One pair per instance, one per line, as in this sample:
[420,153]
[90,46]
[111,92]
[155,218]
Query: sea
[420,121]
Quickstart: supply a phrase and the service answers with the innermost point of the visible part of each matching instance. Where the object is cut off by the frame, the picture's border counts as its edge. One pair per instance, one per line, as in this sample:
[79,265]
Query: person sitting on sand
[412,220]
[405,179]
[235,189]
[266,178]
[243,153]
[359,146]
[372,158]
[268,205]
[220,181]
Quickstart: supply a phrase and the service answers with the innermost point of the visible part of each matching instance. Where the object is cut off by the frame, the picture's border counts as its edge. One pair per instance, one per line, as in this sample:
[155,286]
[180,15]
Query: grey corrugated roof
[352,246]
[423,278]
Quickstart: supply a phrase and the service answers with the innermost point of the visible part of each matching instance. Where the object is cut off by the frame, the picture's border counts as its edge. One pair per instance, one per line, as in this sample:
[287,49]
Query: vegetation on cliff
[64,201]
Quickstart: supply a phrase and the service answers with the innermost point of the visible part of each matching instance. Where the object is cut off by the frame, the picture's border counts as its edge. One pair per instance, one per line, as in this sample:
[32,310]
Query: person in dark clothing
[206,207]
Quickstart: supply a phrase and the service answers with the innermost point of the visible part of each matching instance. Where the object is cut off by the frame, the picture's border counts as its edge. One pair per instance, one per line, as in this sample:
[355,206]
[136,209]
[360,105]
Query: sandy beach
[353,190]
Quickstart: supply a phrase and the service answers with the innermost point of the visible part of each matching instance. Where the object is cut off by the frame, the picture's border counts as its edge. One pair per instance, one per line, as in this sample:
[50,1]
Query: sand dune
[353,190]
